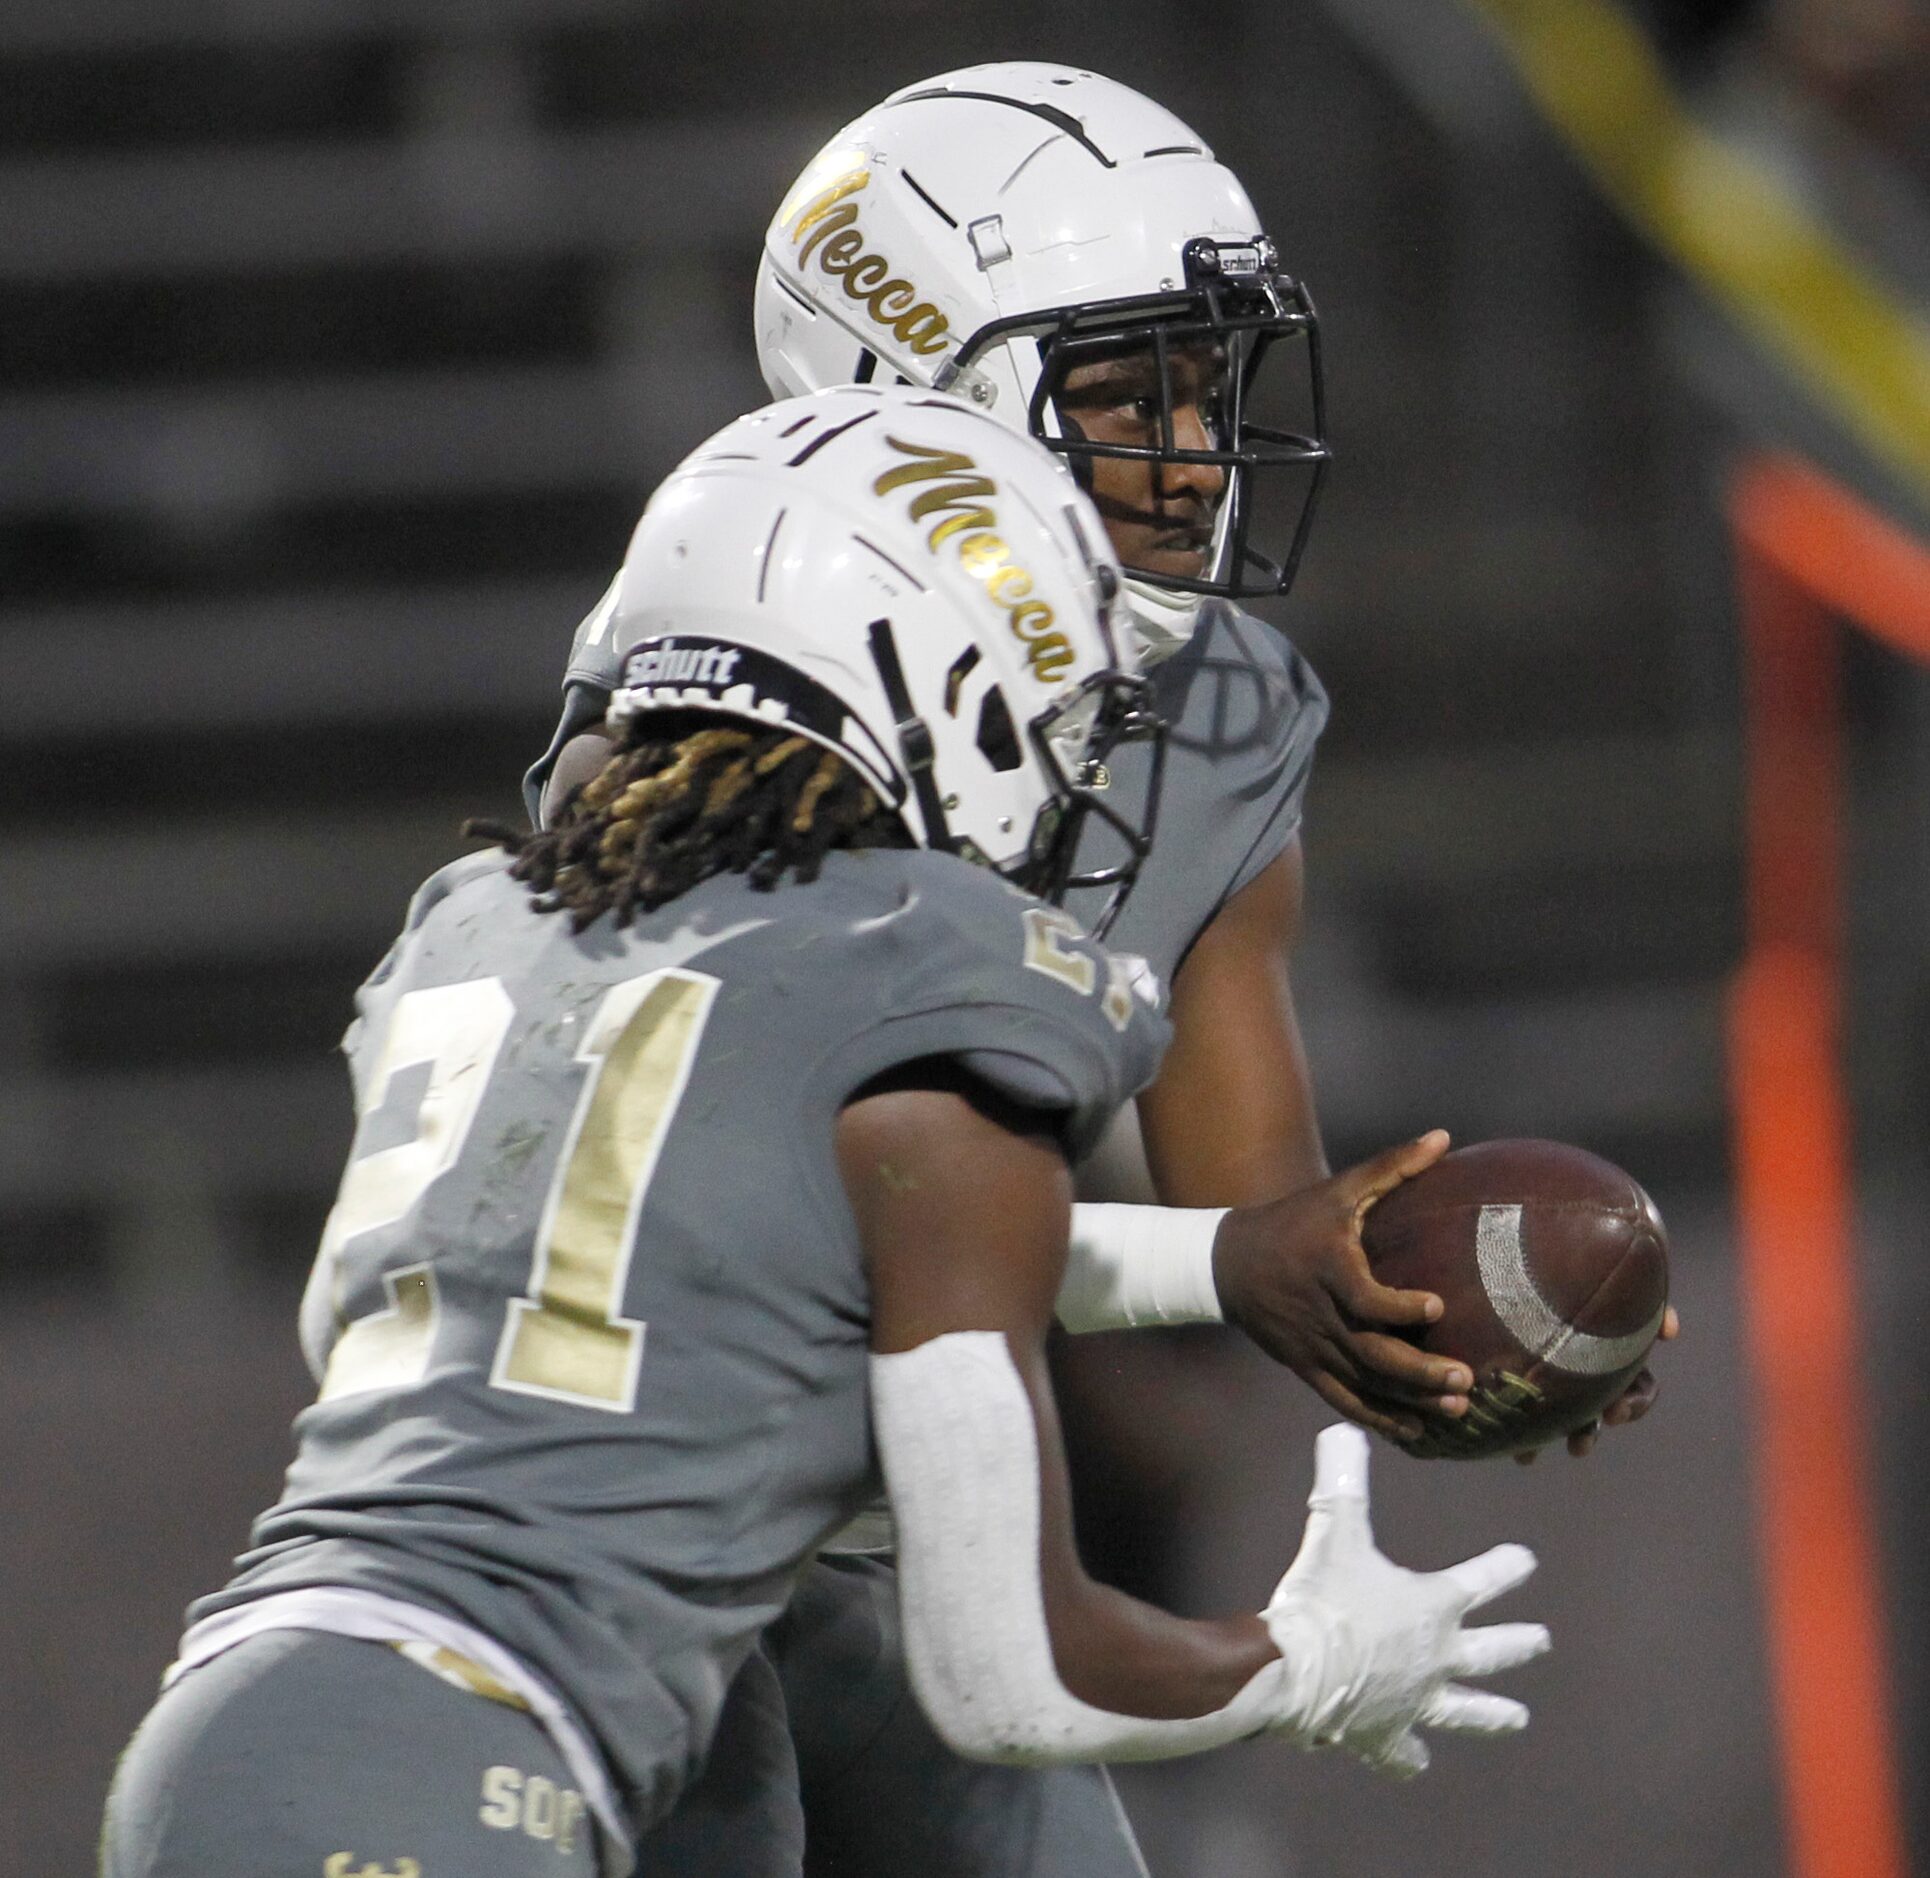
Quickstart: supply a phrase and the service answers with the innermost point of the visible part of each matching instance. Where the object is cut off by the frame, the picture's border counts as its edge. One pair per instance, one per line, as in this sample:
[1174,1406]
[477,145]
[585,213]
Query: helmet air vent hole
[997,741]
[930,201]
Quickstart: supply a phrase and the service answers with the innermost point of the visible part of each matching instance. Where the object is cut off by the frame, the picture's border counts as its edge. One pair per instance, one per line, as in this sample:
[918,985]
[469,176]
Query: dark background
[340,345]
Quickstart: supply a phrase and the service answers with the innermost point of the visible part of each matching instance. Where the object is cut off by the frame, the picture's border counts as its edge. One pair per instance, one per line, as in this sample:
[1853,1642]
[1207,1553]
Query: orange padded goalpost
[1810,555]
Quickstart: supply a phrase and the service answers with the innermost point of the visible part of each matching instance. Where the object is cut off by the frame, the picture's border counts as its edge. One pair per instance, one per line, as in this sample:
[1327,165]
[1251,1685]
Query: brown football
[1554,1268]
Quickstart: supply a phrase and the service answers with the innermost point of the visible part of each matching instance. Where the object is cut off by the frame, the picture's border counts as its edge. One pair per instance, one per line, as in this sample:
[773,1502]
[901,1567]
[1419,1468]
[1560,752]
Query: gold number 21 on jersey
[566,1338]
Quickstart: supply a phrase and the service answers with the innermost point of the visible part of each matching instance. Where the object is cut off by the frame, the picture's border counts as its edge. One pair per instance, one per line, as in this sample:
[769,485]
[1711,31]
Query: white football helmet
[987,231]
[911,585]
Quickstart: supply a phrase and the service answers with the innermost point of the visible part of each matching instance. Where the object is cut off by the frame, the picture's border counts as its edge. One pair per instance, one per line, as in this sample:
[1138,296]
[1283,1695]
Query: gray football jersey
[591,1304]
[1245,710]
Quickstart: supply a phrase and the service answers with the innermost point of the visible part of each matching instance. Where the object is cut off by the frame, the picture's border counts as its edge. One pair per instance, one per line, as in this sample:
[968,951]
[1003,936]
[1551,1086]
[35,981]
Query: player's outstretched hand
[1293,1276]
[1371,1649]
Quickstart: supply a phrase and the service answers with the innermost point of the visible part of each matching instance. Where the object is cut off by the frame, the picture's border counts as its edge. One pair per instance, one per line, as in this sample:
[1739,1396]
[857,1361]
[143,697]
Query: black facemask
[1232,310]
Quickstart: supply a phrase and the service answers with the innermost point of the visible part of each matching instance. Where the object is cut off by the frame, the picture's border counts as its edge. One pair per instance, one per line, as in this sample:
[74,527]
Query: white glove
[1369,1647]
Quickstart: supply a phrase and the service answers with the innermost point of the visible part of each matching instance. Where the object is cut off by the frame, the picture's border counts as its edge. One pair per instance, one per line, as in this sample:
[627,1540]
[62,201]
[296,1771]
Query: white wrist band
[1129,1266]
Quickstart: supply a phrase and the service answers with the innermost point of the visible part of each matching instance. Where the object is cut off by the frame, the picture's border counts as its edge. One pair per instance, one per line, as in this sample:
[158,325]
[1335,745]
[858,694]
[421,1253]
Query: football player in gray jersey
[713,1156]
[1064,253]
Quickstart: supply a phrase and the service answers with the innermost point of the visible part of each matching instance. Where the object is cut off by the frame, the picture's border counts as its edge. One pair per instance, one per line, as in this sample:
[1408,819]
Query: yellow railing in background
[1731,221]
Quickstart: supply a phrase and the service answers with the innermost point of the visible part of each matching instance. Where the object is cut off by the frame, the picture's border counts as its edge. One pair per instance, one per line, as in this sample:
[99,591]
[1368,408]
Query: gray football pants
[883,1795]
[302,1755]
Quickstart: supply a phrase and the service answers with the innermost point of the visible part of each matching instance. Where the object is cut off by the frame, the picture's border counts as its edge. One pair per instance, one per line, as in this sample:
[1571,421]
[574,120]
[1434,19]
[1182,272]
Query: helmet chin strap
[1163,618]
[914,737]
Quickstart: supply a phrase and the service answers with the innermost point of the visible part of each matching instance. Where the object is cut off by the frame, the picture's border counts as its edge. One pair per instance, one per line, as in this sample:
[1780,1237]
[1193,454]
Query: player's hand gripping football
[1293,1276]
[1633,1403]
[1372,1649]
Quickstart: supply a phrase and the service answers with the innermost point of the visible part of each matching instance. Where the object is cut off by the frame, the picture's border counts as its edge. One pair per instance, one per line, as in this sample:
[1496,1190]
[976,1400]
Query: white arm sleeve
[1368,1650]
[1127,1266]
[961,1460]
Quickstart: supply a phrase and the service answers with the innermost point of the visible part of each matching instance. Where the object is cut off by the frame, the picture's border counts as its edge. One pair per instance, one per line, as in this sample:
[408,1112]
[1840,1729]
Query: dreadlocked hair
[684,797]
